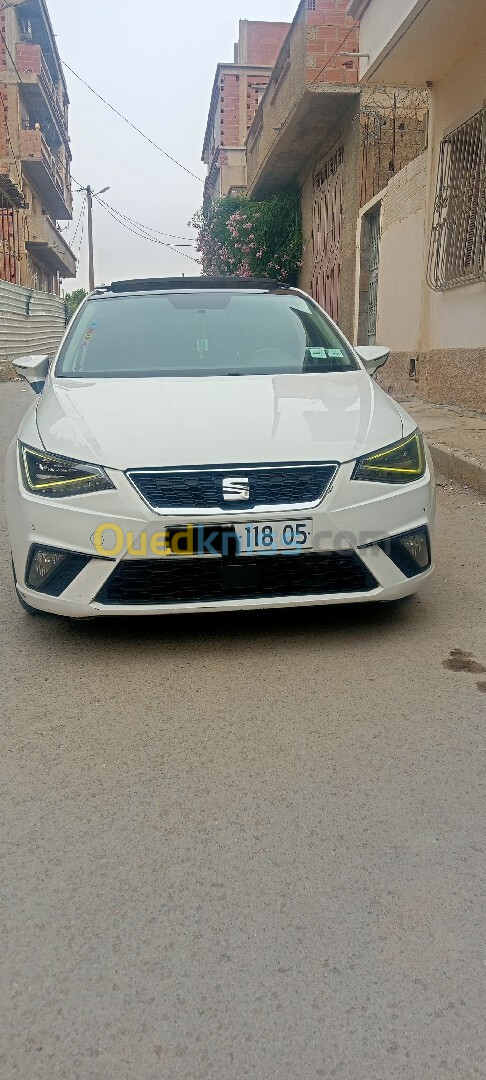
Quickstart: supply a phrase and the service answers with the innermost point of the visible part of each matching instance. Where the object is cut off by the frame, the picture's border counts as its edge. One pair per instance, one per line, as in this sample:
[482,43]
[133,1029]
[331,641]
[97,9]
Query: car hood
[133,423]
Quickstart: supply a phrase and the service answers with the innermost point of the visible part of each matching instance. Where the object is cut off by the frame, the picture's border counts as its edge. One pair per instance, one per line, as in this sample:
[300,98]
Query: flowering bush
[241,237]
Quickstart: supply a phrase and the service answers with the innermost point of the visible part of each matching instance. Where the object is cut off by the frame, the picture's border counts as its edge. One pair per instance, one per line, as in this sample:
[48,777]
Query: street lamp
[90,195]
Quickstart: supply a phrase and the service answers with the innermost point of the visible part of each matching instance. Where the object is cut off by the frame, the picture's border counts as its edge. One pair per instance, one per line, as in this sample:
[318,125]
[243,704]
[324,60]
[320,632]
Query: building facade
[35,154]
[317,129]
[430,220]
[237,91]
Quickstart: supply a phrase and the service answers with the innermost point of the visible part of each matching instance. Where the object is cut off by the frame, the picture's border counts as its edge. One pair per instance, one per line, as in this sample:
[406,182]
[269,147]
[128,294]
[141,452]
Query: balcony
[50,178]
[39,88]
[50,247]
[415,41]
[309,94]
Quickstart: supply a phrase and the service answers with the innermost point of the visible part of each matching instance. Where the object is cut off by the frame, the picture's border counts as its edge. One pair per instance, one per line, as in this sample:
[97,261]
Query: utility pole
[89,199]
[90,195]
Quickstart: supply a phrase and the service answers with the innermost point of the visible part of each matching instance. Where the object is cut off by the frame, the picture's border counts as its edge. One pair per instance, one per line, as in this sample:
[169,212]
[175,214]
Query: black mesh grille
[203,488]
[166,580]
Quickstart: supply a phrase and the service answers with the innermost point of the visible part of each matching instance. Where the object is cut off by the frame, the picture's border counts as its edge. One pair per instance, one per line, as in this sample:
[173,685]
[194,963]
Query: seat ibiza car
[212,444]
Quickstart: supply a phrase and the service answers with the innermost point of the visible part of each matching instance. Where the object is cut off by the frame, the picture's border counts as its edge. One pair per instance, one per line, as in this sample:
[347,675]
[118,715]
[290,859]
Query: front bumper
[352,519]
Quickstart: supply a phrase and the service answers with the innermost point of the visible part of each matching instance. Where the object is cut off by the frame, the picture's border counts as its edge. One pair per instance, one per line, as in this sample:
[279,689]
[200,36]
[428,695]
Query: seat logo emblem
[236,488]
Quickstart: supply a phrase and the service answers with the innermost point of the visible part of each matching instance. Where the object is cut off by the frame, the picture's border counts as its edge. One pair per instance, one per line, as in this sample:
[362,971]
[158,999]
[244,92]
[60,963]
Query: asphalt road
[248,846]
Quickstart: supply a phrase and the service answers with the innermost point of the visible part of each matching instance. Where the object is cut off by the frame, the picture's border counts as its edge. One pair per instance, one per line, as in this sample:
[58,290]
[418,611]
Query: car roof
[176,284]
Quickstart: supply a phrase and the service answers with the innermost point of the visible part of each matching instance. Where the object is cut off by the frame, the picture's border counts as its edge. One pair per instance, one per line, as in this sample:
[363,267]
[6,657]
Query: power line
[143,236]
[341,43]
[71,241]
[147,228]
[11,57]
[78,256]
[129,122]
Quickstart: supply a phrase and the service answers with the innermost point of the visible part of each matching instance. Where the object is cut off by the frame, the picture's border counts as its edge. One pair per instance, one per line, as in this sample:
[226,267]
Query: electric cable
[129,122]
[144,236]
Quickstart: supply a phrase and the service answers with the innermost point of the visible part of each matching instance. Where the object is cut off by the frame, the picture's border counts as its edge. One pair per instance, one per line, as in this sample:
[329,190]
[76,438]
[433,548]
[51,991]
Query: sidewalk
[457,441]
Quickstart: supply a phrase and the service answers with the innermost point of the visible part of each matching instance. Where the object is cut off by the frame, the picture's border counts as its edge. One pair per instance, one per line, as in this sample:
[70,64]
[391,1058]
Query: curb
[457,467]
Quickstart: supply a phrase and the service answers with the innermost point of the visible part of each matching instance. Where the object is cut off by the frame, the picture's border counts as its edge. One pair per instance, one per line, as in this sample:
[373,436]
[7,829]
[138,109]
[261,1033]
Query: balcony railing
[43,238]
[34,151]
[30,60]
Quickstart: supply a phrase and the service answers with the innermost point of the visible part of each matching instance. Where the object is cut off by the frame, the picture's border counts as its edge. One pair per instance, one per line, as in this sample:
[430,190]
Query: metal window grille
[374,263]
[330,167]
[326,232]
[457,254]
[311,5]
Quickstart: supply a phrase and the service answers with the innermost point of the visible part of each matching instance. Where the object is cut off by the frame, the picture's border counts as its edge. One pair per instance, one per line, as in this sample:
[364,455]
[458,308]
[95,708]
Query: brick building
[427,262]
[236,94]
[35,155]
[317,130]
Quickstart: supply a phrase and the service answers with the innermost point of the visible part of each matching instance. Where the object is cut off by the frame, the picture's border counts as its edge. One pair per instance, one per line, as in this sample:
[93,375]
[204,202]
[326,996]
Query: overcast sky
[154,60]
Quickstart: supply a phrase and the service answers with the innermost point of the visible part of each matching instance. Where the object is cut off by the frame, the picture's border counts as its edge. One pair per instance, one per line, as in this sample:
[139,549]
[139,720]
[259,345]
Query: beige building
[35,154]
[424,271]
[237,90]
[318,130]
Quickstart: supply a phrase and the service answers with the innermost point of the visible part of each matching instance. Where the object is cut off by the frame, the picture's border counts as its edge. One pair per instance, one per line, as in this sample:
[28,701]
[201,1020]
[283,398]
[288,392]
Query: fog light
[410,551]
[417,546]
[43,564]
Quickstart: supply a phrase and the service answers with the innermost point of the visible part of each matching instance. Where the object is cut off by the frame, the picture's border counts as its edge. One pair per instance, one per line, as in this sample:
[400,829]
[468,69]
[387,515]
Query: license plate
[244,538]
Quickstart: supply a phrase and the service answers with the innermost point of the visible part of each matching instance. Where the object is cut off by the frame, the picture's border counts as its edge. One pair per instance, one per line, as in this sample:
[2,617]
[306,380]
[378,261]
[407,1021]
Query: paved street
[248,846]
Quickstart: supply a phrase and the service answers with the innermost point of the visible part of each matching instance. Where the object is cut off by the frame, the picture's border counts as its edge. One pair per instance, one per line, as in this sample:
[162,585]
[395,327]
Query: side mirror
[34,369]
[373,356]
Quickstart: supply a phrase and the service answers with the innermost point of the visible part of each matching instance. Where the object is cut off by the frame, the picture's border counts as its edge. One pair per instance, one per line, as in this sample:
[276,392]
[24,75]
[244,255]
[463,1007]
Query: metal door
[326,233]
[374,249]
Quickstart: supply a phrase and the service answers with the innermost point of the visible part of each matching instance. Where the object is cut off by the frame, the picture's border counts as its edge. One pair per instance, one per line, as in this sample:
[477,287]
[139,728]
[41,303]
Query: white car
[213,444]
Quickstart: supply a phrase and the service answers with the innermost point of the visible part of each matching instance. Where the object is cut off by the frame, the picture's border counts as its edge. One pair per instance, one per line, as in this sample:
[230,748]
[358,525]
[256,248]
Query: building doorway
[326,232]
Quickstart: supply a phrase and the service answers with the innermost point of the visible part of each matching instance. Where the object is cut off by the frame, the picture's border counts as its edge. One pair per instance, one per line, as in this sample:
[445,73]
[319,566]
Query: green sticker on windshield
[318,354]
[334,353]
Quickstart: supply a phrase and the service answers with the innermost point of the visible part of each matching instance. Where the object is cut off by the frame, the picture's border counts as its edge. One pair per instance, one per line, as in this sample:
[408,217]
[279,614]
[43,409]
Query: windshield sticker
[335,354]
[318,354]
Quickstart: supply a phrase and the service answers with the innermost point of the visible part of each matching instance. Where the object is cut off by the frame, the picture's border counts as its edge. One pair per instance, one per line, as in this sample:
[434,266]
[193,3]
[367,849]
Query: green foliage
[238,236]
[72,302]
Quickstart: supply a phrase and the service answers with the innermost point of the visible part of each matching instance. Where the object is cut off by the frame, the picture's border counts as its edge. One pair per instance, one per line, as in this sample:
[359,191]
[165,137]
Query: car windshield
[202,333]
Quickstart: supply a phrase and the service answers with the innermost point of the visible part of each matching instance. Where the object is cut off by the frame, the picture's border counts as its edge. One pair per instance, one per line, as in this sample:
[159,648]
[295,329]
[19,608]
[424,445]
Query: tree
[72,302]
[244,237]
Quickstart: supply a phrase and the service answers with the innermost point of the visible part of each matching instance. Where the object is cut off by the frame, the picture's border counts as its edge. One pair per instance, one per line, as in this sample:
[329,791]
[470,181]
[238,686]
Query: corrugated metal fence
[30,322]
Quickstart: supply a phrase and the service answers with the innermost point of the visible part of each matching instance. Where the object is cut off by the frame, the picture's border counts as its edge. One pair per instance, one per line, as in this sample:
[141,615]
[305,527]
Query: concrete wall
[455,317]
[348,136]
[233,170]
[450,363]
[379,22]
[443,331]
[443,376]
[284,90]
[402,255]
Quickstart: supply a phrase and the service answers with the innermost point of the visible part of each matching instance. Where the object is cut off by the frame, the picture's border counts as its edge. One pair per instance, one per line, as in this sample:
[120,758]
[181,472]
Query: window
[311,5]
[202,333]
[457,253]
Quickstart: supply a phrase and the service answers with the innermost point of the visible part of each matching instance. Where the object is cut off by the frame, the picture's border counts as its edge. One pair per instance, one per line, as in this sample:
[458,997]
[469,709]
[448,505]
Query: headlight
[397,464]
[55,477]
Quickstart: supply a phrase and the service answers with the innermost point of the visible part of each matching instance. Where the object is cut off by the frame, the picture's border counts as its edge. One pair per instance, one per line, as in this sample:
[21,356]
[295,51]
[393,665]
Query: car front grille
[202,488]
[186,580]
